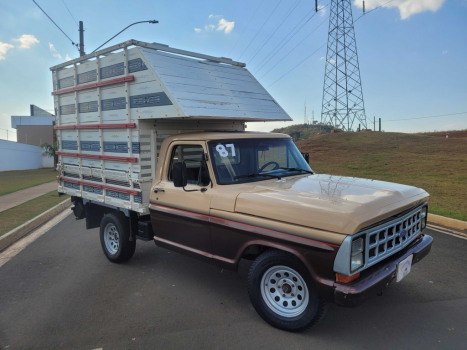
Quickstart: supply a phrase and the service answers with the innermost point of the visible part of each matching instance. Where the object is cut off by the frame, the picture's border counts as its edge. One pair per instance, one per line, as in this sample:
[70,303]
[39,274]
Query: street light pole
[81,39]
[152,22]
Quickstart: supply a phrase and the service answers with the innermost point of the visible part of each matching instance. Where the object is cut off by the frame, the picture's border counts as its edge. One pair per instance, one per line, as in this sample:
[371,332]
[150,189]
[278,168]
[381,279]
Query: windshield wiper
[257,174]
[298,169]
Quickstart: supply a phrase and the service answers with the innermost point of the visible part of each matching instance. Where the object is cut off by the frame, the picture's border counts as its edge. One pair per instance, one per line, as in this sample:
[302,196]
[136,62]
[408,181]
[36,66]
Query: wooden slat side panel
[219,83]
[250,99]
[208,90]
[268,106]
[175,87]
[169,68]
[191,62]
[214,112]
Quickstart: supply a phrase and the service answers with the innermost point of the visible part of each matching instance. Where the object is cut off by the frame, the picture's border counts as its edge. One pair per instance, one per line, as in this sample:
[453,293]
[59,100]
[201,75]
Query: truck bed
[115,107]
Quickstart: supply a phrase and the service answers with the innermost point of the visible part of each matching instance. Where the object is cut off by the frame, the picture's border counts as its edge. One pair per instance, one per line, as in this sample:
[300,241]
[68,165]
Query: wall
[19,120]
[34,134]
[19,156]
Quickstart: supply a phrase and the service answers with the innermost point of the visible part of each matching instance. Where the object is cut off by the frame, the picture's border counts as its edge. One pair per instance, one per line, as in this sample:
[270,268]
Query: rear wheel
[115,238]
[283,293]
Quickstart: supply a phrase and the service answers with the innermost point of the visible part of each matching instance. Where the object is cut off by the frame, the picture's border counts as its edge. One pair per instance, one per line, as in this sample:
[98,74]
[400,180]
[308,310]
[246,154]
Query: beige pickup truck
[152,146]
[313,238]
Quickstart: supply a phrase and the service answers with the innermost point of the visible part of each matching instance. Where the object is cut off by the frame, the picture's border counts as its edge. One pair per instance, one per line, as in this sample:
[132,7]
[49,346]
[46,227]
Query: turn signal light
[346,279]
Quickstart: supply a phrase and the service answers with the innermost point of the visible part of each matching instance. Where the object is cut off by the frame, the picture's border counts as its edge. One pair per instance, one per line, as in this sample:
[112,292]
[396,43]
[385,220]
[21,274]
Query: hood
[327,202]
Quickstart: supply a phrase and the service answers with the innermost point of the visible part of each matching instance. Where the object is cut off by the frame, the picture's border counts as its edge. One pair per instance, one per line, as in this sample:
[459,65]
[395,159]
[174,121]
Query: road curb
[11,237]
[448,222]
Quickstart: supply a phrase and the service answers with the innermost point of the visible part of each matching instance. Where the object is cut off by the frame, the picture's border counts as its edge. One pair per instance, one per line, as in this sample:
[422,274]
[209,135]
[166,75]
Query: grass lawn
[14,217]
[438,165]
[15,180]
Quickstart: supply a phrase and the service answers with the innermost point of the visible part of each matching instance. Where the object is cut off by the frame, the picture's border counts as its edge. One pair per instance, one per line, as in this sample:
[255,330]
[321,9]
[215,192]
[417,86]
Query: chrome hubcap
[284,291]
[111,238]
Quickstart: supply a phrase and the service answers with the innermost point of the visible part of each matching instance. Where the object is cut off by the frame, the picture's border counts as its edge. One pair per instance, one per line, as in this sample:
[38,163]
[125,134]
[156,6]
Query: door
[180,216]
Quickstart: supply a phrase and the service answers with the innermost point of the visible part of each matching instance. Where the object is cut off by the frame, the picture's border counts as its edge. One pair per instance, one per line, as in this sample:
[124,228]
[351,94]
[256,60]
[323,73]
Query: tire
[115,238]
[301,308]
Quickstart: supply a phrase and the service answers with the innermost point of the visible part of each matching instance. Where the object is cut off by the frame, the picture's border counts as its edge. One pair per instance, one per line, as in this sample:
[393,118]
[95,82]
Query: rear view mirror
[179,174]
[263,147]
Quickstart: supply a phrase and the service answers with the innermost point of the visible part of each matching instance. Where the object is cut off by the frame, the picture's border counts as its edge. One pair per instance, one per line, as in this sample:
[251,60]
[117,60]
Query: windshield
[248,160]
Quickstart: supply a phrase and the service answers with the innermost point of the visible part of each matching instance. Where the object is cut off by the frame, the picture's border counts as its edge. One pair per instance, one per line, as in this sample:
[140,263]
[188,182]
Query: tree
[49,151]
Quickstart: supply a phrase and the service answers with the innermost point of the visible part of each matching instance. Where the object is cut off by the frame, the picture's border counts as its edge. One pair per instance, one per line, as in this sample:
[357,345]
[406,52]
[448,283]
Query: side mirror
[179,174]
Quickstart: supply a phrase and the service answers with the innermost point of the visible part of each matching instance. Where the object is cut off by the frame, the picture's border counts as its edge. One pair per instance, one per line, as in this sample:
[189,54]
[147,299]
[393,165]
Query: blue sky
[412,53]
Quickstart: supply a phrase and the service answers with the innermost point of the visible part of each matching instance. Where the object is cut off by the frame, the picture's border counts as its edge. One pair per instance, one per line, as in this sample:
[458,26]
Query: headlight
[423,216]
[356,262]
[356,259]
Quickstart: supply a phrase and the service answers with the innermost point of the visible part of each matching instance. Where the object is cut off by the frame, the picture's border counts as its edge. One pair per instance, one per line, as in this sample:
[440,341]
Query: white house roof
[19,120]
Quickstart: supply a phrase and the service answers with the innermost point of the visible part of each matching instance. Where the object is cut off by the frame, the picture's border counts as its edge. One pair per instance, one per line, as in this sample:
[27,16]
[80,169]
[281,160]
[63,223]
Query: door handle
[157,190]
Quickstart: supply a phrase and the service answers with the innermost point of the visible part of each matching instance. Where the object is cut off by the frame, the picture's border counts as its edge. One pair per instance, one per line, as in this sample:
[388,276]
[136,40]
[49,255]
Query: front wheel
[115,238]
[283,293]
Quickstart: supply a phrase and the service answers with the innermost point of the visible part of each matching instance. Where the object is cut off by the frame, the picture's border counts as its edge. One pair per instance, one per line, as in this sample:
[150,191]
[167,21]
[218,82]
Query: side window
[193,156]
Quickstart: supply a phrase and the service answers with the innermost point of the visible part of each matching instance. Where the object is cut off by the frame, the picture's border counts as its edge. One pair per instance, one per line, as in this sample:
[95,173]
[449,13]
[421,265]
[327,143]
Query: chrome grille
[388,238]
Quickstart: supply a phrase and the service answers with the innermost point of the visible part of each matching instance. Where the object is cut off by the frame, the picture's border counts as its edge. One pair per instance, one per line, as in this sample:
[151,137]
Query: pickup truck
[209,189]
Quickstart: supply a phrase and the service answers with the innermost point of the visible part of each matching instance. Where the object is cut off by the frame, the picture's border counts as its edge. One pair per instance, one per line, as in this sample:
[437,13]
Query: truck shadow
[403,312]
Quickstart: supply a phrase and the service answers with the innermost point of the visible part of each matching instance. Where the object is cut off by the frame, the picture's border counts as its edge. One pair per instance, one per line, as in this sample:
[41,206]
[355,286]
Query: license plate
[403,268]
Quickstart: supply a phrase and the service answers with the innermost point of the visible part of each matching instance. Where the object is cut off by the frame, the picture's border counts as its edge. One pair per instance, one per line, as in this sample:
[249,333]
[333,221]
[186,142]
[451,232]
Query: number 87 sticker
[221,149]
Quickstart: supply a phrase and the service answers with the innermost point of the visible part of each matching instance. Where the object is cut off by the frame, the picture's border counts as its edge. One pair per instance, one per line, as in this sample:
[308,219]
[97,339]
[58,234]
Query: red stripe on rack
[95,126]
[94,85]
[96,156]
[101,186]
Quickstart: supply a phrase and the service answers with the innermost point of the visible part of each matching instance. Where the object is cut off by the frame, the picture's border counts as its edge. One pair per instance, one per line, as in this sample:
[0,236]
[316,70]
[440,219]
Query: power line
[297,65]
[8,130]
[293,49]
[7,134]
[433,116]
[377,7]
[320,48]
[267,19]
[257,70]
[293,8]
[246,26]
[55,24]
[70,13]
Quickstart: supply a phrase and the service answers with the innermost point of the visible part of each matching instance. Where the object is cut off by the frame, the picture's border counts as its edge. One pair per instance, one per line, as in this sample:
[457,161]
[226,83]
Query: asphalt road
[61,292]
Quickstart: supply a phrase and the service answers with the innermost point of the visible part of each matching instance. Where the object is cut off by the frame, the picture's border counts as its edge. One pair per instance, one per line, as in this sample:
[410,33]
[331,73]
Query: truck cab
[314,238]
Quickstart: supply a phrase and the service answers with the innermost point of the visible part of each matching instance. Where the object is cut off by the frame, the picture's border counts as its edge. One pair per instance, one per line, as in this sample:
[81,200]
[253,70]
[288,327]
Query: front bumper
[377,278]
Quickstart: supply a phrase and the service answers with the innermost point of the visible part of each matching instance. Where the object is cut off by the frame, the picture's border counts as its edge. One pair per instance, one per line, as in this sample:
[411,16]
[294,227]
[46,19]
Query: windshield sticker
[221,149]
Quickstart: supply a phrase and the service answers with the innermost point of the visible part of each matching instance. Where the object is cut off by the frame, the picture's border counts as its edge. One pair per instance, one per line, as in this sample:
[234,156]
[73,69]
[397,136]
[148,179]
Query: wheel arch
[264,245]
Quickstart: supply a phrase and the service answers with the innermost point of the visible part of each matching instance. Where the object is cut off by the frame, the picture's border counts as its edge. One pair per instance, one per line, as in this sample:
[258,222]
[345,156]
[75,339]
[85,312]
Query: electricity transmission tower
[342,92]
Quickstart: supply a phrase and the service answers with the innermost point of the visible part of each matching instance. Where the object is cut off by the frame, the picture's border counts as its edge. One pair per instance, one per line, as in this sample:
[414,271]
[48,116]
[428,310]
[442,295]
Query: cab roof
[219,135]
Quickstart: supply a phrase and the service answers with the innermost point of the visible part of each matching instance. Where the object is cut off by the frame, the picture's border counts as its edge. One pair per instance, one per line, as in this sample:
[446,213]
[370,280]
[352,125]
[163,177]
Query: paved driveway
[11,200]
[61,292]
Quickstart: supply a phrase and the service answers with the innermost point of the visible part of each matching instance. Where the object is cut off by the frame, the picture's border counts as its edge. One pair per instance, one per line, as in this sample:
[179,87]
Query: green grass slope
[302,131]
[438,165]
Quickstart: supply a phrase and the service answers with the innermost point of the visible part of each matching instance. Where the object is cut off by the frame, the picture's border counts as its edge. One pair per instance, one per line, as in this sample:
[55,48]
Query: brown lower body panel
[189,233]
